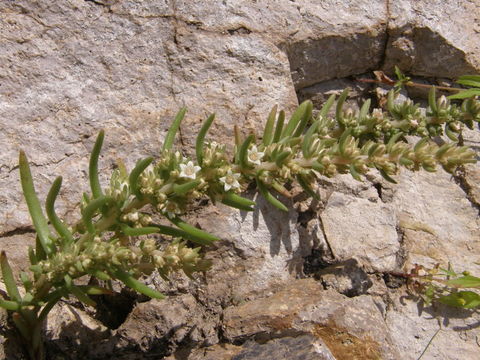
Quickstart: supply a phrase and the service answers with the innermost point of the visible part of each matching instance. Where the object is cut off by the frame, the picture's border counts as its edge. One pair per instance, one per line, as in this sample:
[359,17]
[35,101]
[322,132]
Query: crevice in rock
[460,179]
[402,253]
[99,3]
[383,58]
[18,231]
[378,187]
[241,30]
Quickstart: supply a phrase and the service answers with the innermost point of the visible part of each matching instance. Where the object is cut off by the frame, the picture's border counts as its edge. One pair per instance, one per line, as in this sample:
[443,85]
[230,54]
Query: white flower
[254,155]
[189,170]
[172,209]
[230,181]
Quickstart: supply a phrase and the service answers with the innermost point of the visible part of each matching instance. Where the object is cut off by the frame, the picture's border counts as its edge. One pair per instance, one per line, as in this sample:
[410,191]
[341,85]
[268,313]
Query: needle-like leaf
[201,139]
[93,166]
[39,220]
[170,138]
[52,216]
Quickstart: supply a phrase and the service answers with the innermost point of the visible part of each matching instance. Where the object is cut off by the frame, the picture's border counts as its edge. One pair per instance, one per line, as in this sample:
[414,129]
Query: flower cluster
[117,238]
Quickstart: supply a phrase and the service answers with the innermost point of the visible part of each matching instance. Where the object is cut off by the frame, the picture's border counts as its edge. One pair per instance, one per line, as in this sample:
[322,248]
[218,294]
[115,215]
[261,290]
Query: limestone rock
[434,38]
[16,248]
[157,326]
[412,327]
[346,326]
[127,69]
[361,229]
[72,333]
[260,251]
[440,224]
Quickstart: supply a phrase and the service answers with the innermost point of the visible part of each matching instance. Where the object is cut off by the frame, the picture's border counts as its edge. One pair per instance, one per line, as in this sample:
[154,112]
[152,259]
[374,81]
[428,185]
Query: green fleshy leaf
[306,187]
[59,226]
[307,115]
[243,152]
[93,166]
[201,138]
[9,305]
[326,107]
[355,173]
[170,231]
[39,251]
[8,278]
[451,134]
[398,73]
[307,140]
[27,283]
[318,167]
[432,100]
[184,188]
[449,272]
[95,290]
[279,127]
[461,299]
[281,157]
[238,202]
[467,281]
[268,132]
[387,177]
[269,197]
[202,237]
[32,256]
[136,285]
[465,94]
[39,220]
[340,103]
[91,209]
[470,77]
[469,82]
[129,231]
[100,275]
[52,300]
[80,295]
[343,141]
[170,138]
[298,120]
[391,102]
[364,109]
[135,174]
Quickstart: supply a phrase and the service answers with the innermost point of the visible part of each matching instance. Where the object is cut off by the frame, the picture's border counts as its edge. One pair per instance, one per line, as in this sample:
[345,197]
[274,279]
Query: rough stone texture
[10,343]
[303,306]
[413,327]
[313,34]
[434,38]
[69,329]
[361,229]
[260,251]
[440,223]
[16,247]
[157,326]
[127,73]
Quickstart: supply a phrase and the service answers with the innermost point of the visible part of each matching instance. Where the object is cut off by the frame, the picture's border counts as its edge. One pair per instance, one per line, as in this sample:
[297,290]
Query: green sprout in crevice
[116,238]
[445,286]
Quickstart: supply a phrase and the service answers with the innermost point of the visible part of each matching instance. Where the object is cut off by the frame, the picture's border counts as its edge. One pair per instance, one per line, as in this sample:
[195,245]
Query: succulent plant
[116,238]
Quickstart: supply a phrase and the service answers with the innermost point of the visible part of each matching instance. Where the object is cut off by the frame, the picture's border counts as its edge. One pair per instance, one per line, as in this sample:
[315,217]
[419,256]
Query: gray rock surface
[434,38]
[412,328]
[361,229]
[348,326]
